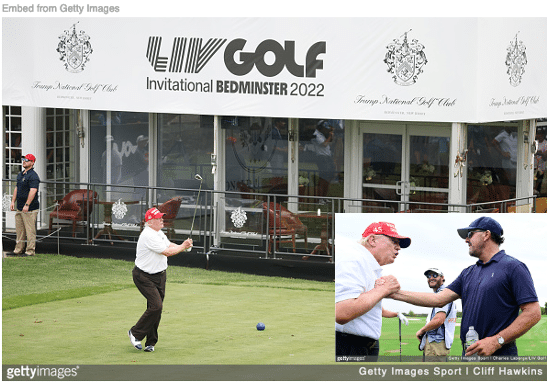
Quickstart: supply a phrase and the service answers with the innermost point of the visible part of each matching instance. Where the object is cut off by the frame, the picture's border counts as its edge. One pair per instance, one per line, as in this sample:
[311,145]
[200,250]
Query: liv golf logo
[74,49]
[405,60]
[190,55]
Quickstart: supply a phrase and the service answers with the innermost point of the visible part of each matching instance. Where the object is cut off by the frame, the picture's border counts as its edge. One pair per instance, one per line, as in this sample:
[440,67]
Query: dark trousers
[153,287]
[352,345]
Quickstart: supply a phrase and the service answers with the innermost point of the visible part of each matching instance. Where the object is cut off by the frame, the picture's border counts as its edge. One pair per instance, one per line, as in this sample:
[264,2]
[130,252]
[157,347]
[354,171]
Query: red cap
[30,157]
[388,229]
[153,213]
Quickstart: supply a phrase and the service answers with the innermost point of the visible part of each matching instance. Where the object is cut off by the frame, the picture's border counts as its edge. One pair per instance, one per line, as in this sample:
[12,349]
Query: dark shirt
[24,183]
[492,293]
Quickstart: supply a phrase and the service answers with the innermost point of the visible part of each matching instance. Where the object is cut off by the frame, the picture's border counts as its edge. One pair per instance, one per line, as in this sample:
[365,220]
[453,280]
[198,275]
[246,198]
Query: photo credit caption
[449,371]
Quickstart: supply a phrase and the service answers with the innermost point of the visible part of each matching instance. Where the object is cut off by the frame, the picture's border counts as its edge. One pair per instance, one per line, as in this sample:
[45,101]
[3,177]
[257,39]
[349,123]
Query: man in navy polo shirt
[25,202]
[493,291]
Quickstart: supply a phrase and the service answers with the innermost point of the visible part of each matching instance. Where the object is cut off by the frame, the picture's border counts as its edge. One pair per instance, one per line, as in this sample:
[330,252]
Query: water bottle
[471,337]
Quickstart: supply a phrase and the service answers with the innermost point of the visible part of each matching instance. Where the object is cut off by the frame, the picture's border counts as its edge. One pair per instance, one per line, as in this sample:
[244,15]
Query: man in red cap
[149,275]
[25,203]
[358,309]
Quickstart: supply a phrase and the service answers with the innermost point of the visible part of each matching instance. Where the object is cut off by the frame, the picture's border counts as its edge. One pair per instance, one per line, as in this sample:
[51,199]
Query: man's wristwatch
[26,204]
[500,340]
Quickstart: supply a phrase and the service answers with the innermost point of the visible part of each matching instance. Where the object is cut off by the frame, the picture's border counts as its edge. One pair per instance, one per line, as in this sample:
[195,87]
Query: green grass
[532,343]
[66,310]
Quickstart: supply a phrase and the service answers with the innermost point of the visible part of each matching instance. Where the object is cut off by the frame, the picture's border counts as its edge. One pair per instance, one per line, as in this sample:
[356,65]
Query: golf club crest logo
[238,217]
[516,59]
[405,60]
[74,49]
[119,209]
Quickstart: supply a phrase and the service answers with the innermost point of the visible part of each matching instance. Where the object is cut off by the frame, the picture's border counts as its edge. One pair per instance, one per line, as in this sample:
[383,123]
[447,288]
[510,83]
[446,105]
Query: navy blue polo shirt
[24,183]
[491,294]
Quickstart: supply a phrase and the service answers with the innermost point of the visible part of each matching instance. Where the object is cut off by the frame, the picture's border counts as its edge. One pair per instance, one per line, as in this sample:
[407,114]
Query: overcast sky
[435,243]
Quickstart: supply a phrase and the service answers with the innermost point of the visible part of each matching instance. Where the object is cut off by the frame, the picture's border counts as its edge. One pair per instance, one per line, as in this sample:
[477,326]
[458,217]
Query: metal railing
[245,223]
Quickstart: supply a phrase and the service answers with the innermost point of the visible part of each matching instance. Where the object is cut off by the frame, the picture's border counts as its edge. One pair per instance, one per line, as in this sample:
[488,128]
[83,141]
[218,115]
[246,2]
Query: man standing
[437,335]
[149,275]
[493,291]
[27,207]
[358,310]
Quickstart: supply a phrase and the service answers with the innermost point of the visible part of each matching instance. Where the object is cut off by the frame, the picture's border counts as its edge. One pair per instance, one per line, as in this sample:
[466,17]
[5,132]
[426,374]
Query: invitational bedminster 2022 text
[449,371]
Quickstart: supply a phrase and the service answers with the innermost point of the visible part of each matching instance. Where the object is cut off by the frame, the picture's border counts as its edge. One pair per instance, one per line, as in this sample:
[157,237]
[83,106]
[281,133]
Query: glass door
[428,181]
[404,167]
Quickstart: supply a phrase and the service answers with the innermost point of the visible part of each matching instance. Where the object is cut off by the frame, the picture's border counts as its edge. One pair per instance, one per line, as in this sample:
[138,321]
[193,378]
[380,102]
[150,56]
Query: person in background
[436,337]
[25,203]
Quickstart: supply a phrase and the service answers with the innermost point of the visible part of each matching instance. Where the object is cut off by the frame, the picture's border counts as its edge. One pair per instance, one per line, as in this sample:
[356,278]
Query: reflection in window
[256,154]
[321,157]
[429,161]
[185,144]
[119,148]
[119,143]
[382,158]
[492,163]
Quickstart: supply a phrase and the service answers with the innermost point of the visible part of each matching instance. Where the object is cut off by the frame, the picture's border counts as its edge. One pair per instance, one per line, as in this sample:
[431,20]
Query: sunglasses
[25,160]
[431,275]
[393,240]
[471,233]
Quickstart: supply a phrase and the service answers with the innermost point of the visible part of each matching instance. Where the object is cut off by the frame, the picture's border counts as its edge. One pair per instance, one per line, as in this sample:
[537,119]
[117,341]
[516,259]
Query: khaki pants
[436,351]
[25,227]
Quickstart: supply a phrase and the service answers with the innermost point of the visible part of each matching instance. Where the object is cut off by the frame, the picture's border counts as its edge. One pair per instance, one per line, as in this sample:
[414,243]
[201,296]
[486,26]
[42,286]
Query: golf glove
[403,319]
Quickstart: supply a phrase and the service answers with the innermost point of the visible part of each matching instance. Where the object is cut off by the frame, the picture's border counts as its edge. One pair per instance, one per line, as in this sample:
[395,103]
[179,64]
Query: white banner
[411,69]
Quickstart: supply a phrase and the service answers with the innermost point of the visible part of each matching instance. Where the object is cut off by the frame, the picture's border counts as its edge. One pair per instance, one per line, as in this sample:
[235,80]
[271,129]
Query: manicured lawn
[65,310]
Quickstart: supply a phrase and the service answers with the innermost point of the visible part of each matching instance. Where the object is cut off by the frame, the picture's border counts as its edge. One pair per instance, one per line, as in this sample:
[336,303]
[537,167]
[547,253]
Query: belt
[151,274]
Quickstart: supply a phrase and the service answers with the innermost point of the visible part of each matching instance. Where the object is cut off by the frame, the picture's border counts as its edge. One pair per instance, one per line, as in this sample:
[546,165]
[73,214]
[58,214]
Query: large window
[12,141]
[119,154]
[185,145]
[59,145]
[321,158]
[492,162]
[60,151]
[119,147]
[256,154]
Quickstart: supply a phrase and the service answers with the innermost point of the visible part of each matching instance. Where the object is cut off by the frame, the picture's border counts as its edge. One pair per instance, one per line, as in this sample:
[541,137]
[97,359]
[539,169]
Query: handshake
[389,284]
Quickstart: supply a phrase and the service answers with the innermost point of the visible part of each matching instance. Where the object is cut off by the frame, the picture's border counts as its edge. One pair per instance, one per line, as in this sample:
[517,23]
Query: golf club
[399,321]
[197,177]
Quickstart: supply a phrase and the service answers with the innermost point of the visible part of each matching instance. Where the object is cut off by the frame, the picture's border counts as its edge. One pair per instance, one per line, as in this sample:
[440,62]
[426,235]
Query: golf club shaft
[196,207]
[399,321]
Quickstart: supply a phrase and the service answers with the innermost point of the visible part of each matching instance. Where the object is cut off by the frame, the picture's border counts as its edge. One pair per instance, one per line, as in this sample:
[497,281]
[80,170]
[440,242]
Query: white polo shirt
[150,246]
[355,272]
